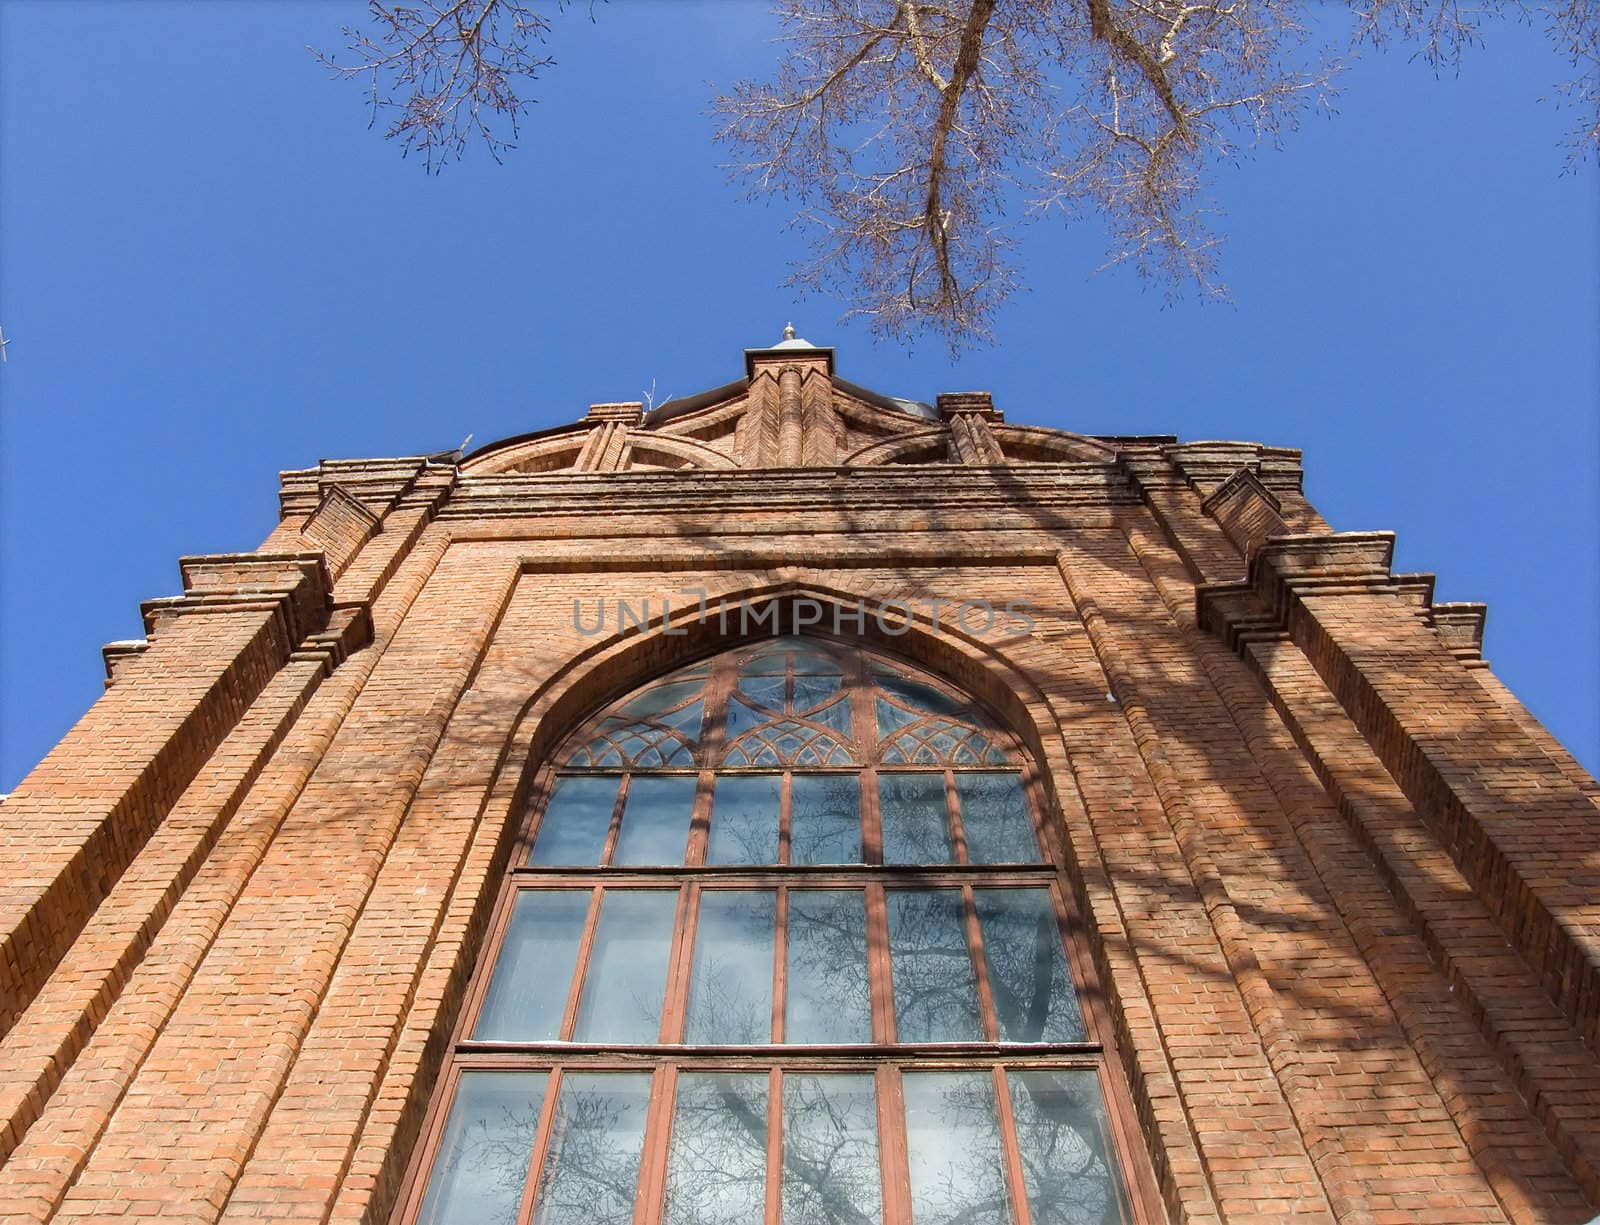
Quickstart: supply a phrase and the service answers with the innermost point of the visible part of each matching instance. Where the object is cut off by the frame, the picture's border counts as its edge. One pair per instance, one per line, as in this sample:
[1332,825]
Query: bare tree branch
[904,131]
[448,71]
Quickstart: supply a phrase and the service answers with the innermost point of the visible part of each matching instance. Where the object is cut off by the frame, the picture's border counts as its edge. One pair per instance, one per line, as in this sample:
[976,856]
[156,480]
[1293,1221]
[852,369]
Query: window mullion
[694,854]
[894,1162]
[657,1137]
[780,966]
[614,830]
[541,1142]
[1021,1213]
[774,1191]
[871,820]
[675,1002]
[980,964]
[580,971]
[879,973]
[952,804]
[785,816]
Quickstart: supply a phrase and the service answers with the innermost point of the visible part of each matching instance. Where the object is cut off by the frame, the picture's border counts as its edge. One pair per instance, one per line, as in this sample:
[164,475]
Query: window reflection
[576,821]
[828,999]
[717,1170]
[825,819]
[935,988]
[830,1151]
[655,820]
[527,996]
[483,1159]
[915,827]
[744,823]
[730,987]
[1064,1139]
[1033,996]
[953,1147]
[591,1165]
[994,817]
[627,969]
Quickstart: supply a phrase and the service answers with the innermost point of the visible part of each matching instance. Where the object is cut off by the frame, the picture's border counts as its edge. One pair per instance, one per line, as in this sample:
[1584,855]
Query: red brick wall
[1337,885]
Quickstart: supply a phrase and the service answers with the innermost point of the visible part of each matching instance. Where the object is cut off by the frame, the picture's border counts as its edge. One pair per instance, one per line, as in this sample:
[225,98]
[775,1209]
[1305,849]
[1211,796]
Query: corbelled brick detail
[78,820]
[1337,887]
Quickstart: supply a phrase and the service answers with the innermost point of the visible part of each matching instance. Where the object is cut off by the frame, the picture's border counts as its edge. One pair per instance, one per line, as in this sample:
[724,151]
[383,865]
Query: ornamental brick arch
[619,664]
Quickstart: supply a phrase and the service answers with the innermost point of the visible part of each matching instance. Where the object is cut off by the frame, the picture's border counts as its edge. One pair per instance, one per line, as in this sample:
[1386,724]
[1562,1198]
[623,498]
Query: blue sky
[210,270]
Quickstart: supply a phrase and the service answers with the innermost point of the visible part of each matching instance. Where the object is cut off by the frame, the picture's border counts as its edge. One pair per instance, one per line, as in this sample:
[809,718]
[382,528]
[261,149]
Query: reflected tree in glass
[591,1164]
[744,819]
[953,1146]
[1064,1139]
[1034,999]
[827,999]
[935,987]
[730,986]
[527,996]
[995,819]
[915,827]
[483,1159]
[717,1167]
[825,818]
[830,1151]
[627,971]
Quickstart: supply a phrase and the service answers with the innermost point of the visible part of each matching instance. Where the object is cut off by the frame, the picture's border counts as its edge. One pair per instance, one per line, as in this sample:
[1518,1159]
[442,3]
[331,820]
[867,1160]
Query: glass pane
[935,988]
[717,1171]
[919,696]
[655,820]
[1033,996]
[651,702]
[830,1151]
[741,717]
[836,717]
[730,988]
[483,1159]
[827,999]
[953,1142]
[627,967]
[528,992]
[912,809]
[994,816]
[811,660]
[764,690]
[591,1165]
[812,691]
[573,831]
[768,661]
[1064,1138]
[825,818]
[744,819]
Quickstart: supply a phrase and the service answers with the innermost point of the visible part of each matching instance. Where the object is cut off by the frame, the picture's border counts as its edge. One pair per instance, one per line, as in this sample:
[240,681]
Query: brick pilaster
[1520,830]
[78,819]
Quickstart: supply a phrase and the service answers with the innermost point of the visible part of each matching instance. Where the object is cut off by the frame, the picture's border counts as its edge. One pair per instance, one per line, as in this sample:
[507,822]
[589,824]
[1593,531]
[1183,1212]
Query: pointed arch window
[787,941]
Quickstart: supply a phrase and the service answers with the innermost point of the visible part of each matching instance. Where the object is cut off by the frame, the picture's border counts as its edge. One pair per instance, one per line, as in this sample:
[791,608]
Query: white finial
[788,331]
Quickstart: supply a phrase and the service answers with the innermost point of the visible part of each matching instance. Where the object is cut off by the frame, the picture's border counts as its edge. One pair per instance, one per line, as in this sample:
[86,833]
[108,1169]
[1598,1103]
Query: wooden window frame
[883,1058]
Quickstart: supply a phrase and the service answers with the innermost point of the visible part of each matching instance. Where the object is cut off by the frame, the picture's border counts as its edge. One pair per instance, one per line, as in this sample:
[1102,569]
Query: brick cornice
[295,587]
[1281,569]
[1286,568]
[378,484]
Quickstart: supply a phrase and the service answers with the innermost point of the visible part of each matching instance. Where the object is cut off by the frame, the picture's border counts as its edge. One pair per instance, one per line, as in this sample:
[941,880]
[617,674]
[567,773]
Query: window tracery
[788,944]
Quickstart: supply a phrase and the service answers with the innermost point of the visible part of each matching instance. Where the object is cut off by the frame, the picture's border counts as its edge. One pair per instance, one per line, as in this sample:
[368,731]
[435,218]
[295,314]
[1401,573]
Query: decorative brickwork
[1331,896]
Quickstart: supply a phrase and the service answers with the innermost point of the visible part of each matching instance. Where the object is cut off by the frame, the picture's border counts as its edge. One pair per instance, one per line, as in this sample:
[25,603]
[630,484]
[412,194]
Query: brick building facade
[1317,902]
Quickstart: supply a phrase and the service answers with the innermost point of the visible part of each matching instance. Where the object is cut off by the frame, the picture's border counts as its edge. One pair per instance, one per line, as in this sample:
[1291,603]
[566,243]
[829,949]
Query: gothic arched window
[785,941]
